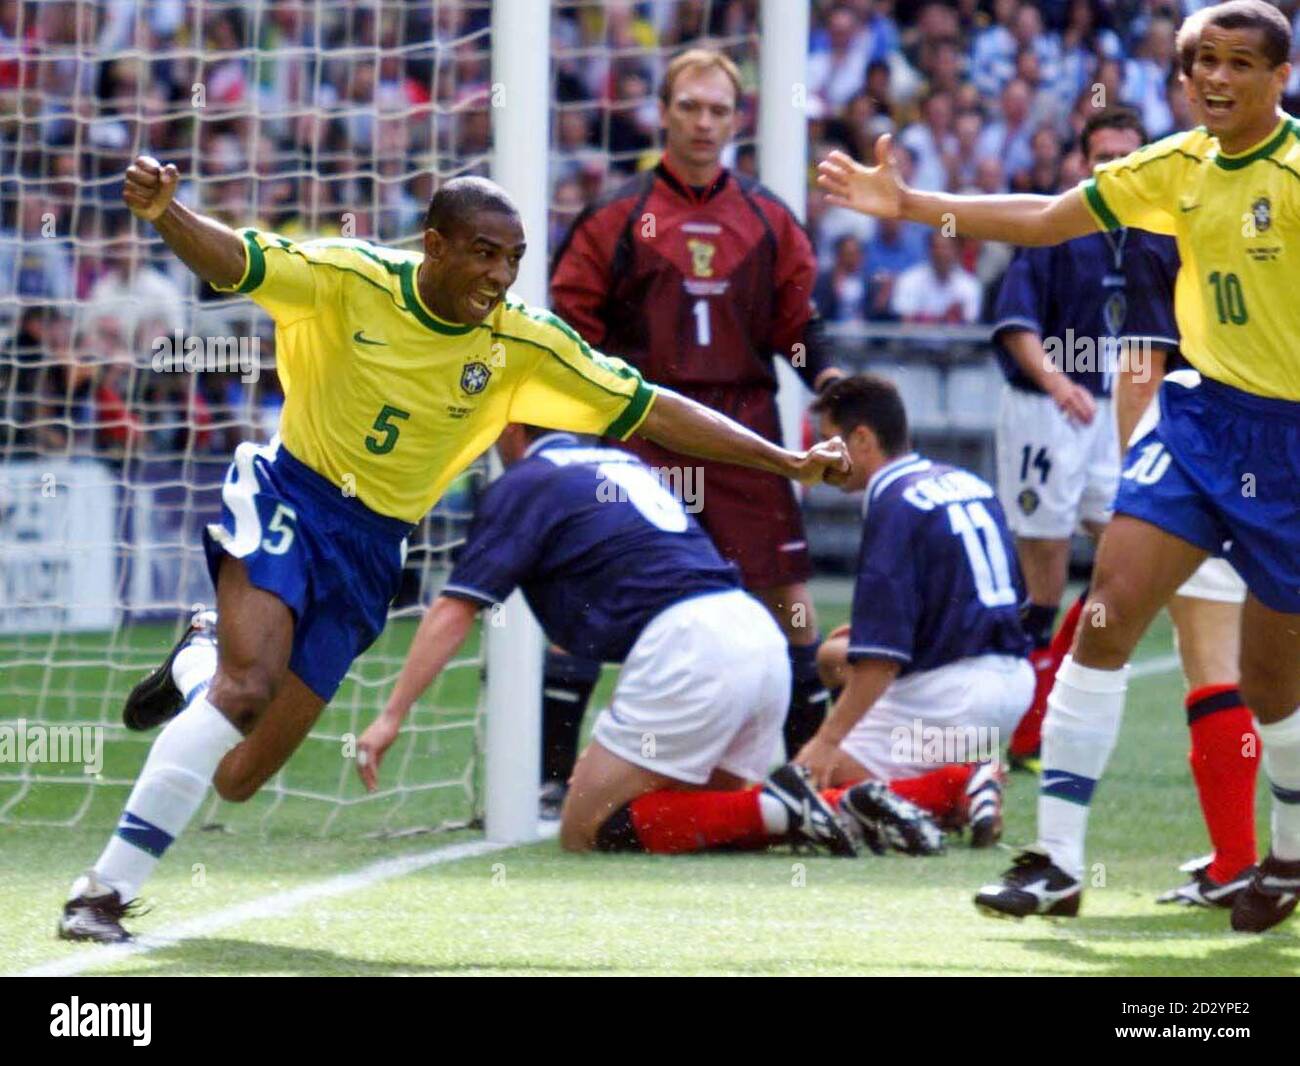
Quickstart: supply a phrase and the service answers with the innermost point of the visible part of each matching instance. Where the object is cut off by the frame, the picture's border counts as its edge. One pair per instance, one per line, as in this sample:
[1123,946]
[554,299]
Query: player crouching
[933,667]
[616,571]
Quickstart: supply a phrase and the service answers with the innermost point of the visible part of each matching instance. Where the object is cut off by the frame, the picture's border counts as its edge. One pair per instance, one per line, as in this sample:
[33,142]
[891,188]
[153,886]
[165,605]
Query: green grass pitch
[535,910]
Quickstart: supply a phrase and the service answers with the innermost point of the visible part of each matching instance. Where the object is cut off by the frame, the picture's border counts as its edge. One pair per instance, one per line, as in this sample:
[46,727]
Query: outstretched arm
[879,191]
[212,250]
[864,684]
[694,429]
[442,631]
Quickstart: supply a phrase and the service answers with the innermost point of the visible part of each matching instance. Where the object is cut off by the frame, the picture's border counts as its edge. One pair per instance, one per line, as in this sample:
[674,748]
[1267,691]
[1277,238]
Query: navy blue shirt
[595,540]
[937,578]
[1104,287]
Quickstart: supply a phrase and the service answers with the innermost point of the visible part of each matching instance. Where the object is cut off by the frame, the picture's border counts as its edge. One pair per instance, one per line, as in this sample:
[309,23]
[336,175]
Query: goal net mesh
[308,118]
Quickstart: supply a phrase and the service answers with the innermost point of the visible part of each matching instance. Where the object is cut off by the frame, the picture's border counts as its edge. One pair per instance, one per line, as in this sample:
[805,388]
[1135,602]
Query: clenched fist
[150,187]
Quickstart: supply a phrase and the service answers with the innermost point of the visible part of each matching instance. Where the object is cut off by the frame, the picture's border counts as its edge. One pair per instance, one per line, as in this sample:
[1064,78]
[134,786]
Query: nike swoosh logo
[362,340]
[1184,208]
[1049,782]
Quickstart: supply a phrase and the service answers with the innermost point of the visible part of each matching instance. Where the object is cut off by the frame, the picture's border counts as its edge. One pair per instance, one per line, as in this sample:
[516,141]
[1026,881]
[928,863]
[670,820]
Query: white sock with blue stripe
[1079,733]
[1281,749]
[171,786]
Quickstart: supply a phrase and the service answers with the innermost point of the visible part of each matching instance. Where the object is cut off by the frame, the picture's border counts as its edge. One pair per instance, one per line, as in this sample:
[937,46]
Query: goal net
[125,384]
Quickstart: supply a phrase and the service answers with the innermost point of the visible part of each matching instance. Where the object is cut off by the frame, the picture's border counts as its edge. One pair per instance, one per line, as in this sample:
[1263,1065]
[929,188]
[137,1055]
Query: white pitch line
[282,903]
[276,905]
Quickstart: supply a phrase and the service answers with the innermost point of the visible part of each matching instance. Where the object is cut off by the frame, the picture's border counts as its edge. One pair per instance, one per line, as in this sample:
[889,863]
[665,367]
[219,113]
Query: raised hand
[874,190]
[149,187]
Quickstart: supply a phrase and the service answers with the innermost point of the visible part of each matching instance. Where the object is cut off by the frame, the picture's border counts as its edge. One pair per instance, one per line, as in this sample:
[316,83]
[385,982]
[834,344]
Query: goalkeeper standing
[697,276]
[399,369]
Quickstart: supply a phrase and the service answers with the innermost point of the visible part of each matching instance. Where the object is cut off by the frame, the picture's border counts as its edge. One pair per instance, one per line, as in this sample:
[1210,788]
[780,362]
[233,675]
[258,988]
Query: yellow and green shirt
[1236,219]
[386,400]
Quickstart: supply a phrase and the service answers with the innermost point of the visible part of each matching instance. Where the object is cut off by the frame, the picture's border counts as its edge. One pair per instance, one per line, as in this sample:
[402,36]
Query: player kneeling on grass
[617,571]
[398,366]
[933,667]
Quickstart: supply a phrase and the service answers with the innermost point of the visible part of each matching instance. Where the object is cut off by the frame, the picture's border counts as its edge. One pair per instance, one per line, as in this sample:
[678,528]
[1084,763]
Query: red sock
[1046,662]
[832,795]
[669,822]
[1222,730]
[941,792]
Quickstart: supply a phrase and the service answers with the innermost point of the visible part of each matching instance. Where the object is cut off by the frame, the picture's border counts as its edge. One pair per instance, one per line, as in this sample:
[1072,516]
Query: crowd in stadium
[980,96]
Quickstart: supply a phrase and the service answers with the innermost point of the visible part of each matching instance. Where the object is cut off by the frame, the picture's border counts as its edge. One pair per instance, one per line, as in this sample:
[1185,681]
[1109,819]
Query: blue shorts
[334,562]
[1221,470]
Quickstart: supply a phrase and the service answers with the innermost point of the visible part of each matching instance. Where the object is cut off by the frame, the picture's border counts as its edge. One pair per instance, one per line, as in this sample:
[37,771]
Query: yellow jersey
[1234,218]
[391,403]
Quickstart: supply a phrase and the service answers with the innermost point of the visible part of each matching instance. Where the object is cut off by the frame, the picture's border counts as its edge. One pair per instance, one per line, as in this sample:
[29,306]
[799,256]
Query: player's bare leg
[1045,564]
[1139,567]
[616,805]
[1224,750]
[792,607]
[1270,685]
[276,734]
[255,633]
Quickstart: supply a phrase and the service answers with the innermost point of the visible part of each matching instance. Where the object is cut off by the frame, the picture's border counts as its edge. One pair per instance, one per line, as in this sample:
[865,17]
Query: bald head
[459,202]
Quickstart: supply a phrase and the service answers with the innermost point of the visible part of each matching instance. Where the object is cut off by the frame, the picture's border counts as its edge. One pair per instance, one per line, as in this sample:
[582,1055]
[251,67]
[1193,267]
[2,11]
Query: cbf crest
[1262,213]
[474,377]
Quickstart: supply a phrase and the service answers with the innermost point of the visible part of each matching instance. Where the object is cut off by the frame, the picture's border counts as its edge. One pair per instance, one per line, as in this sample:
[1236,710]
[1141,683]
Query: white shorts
[962,712]
[1215,579]
[1052,473]
[705,687]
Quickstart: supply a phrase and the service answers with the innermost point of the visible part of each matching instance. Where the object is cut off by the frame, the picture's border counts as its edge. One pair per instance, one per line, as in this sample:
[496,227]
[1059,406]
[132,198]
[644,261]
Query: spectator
[896,247]
[938,290]
[1146,78]
[932,143]
[1044,174]
[129,289]
[837,71]
[35,261]
[841,291]
[993,51]
[1008,139]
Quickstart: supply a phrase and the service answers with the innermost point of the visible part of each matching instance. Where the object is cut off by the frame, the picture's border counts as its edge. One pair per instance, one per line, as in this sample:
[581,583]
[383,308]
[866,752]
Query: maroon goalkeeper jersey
[693,287]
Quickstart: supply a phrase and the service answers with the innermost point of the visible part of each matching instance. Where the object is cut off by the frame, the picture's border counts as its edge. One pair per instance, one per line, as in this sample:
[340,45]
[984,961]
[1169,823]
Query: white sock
[1281,747]
[1079,732]
[776,819]
[172,784]
[193,668]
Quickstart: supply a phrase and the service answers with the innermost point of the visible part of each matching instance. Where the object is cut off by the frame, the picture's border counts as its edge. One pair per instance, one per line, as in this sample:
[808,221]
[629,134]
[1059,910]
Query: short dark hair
[458,201]
[1253,15]
[1112,118]
[866,400]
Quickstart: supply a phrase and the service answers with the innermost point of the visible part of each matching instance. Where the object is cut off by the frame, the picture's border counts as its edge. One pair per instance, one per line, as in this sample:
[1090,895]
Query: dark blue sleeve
[505,539]
[1022,300]
[886,597]
[1150,313]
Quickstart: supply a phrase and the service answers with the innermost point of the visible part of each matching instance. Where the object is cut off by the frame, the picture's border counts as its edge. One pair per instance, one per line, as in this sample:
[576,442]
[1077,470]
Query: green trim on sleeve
[633,414]
[1098,205]
[255,270]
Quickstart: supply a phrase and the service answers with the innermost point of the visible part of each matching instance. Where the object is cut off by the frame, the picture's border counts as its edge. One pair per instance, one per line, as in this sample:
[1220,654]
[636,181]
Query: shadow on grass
[215,955]
[1087,943]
